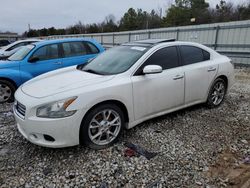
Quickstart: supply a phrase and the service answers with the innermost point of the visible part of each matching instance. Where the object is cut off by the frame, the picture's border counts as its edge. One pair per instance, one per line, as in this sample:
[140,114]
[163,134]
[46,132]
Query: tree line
[180,13]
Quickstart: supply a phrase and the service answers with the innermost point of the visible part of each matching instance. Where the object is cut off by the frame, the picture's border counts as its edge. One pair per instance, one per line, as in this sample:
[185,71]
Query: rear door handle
[177,77]
[58,63]
[210,69]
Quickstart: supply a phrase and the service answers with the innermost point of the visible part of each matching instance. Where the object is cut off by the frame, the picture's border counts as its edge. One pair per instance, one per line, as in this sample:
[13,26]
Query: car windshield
[115,60]
[21,54]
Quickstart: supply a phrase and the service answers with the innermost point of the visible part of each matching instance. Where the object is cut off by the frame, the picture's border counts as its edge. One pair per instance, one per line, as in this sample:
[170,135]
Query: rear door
[155,93]
[199,70]
[48,59]
[75,53]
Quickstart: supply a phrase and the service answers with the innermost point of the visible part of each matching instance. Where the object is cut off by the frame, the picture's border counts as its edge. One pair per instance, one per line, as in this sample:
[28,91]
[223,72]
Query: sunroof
[148,42]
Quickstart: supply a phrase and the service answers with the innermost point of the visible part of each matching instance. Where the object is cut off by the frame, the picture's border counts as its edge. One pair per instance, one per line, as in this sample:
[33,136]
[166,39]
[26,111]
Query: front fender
[11,74]
[25,76]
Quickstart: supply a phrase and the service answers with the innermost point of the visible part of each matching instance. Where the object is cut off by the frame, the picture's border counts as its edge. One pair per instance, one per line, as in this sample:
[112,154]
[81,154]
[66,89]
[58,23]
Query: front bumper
[65,131]
[54,133]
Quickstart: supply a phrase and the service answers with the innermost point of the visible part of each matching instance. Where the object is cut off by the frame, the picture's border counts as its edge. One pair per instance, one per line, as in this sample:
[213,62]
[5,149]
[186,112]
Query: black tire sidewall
[84,137]
[210,103]
[12,88]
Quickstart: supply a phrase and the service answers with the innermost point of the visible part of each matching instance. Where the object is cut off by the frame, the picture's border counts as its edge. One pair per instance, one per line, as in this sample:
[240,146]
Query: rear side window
[67,50]
[47,52]
[191,55]
[78,48]
[74,49]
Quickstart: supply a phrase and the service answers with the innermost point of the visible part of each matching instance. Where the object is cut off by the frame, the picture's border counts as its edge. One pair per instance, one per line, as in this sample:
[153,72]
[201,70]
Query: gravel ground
[191,146]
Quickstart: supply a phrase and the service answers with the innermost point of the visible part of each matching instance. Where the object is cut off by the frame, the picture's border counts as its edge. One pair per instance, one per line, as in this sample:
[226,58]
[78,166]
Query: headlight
[56,110]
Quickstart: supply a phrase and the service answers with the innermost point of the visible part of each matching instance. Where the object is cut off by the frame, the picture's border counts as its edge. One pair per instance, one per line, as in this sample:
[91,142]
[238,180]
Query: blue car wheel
[7,90]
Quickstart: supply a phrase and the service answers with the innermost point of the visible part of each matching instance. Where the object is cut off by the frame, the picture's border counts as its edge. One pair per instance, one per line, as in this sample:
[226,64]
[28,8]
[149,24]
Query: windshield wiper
[92,71]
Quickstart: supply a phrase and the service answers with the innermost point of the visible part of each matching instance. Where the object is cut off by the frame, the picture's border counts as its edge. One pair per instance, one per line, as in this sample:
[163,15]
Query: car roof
[27,40]
[149,42]
[19,41]
[53,41]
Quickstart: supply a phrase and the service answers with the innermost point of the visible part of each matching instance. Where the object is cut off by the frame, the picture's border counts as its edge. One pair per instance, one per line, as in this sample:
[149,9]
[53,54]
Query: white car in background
[12,48]
[91,104]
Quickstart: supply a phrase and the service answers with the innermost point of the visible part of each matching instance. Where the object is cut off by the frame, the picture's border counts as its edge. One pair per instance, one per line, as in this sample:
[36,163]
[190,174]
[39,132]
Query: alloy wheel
[218,93]
[5,92]
[104,127]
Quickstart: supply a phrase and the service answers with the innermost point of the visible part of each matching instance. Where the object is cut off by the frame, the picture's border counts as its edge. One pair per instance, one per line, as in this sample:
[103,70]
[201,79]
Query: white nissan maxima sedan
[91,104]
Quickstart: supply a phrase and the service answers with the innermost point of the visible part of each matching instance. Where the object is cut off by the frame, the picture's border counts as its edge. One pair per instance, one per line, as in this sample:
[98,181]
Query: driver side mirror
[33,59]
[152,69]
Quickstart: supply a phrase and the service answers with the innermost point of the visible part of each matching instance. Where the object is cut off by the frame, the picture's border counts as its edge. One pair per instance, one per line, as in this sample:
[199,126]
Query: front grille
[20,108]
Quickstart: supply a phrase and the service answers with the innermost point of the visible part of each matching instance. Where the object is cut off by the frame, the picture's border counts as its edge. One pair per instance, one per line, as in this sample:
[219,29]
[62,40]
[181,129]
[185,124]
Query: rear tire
[217,93]
[7,90]
[102,126]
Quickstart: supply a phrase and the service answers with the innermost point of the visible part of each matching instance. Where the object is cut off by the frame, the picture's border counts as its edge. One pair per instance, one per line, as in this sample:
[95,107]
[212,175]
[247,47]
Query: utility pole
[160,12]
[147,24]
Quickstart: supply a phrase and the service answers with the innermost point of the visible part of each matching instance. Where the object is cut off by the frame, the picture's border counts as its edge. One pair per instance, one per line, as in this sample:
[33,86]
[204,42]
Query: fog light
[48,138]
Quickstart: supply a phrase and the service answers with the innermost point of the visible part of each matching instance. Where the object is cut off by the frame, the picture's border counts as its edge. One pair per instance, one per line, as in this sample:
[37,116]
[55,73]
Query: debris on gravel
[196,147]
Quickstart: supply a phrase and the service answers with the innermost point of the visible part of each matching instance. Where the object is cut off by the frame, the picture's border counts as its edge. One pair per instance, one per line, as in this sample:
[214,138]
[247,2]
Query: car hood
[61,81]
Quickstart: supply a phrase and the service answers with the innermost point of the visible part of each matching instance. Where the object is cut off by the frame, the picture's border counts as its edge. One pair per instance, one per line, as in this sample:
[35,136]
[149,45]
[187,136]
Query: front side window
[47,52]
[191,55]
[115,61]
[167,58]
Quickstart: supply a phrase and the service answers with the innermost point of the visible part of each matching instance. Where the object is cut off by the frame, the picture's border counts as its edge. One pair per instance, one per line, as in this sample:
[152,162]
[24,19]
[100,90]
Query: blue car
[41,57]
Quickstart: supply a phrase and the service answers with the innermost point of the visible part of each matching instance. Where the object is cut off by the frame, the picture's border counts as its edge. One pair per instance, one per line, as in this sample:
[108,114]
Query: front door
[48,59]
[155,93]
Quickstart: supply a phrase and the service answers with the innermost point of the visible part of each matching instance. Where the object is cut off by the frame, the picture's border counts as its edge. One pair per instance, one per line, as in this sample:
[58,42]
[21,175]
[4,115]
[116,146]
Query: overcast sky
[17,14]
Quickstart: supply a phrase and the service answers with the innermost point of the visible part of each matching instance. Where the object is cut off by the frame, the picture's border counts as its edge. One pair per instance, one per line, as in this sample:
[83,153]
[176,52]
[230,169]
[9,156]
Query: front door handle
[58,63]
[177,77]
[210,69]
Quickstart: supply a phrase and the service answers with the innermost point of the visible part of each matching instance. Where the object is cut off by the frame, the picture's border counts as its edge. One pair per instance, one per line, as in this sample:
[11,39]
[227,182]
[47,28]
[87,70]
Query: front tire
[7,90]
[102,126]
[217,93]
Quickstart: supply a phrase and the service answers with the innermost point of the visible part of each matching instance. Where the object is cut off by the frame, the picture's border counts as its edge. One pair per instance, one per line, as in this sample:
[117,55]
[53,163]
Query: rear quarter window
[206,55]
[91,48]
